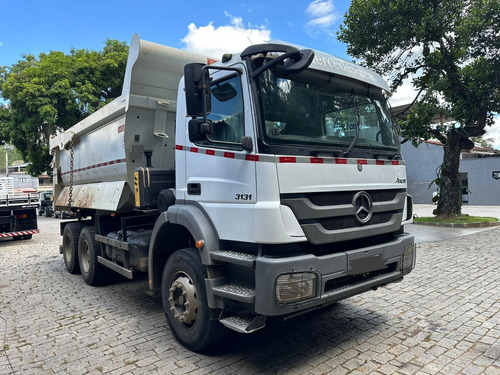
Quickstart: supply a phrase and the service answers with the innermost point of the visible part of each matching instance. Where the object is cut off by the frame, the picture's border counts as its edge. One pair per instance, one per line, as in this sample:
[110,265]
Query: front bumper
[339,275]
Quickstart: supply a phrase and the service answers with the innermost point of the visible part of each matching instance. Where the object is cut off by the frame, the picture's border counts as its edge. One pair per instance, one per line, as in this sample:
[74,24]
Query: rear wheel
[71,234]
[88,250]
[185,302]
[48,211]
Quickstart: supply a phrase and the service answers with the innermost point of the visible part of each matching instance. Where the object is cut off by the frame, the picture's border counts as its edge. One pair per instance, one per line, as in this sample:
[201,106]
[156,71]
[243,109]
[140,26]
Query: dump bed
[94,160]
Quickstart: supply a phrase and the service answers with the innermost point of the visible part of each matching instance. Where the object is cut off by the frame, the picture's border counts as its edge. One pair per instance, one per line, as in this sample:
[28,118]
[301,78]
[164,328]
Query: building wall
[422,165]
[483,188]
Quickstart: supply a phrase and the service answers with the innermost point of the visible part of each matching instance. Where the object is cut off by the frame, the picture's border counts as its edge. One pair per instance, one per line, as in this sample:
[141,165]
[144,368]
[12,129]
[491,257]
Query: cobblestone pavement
[444,318]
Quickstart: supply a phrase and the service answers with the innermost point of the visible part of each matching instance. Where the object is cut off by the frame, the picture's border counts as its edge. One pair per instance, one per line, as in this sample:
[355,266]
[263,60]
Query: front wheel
[185,302]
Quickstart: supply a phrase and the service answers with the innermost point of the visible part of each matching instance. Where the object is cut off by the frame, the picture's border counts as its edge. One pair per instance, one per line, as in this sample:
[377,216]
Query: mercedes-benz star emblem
[363,205]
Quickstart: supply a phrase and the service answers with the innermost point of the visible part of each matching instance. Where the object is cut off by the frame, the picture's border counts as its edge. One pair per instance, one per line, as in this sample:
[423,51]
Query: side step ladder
[244,323]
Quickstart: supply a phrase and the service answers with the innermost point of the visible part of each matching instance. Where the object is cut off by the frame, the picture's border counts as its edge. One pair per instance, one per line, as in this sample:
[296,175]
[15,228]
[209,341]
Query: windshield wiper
[358,128]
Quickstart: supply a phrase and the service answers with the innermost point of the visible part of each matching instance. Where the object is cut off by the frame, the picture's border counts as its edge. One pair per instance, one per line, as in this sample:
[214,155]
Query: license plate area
[365,261]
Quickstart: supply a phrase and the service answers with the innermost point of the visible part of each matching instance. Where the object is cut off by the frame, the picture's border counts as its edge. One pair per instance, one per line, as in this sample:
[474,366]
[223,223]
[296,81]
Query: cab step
[234,257]
[235,292]
[244,323]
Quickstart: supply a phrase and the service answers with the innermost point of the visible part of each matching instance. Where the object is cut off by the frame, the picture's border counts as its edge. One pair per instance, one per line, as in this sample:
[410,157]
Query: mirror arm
[206,91]
[272,63]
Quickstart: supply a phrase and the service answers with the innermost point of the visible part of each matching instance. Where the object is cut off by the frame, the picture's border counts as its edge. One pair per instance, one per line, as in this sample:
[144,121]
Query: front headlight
[295,287]
[409,258]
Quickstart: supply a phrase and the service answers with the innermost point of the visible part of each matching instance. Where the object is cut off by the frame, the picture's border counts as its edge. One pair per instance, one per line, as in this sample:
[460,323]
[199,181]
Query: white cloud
[215,41]
[322,16]
[1,44]
[405,94]
[494,132]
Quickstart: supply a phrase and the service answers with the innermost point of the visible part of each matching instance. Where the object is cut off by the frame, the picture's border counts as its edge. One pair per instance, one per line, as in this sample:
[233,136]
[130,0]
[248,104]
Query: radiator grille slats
[331,217]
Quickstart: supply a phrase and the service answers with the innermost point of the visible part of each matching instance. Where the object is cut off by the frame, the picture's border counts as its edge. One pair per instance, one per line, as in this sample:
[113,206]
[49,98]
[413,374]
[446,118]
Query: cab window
[227,110]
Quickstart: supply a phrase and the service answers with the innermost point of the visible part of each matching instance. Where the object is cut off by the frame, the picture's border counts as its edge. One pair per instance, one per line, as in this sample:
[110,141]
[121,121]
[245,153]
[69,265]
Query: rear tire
[71,235]
[88,250]
[185,302]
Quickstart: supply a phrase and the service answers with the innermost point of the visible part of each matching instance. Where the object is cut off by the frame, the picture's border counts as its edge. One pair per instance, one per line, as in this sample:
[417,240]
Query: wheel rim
[67,250]
[184,299]
[85,256]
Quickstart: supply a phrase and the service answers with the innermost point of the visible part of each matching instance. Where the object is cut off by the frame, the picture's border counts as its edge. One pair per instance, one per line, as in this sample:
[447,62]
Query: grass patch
[463,219]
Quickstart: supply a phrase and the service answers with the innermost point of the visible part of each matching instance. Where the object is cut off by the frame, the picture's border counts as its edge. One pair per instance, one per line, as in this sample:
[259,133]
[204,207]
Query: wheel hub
[183,300]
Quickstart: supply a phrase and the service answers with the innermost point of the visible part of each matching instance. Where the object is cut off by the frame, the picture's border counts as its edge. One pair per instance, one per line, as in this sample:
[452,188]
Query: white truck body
[288,191]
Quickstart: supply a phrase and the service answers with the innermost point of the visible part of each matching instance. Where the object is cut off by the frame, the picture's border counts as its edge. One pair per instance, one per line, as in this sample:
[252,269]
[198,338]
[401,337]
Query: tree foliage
[54,91]
[451,49]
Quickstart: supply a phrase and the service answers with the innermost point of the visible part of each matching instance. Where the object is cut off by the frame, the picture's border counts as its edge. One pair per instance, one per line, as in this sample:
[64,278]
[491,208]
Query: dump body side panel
[109,145]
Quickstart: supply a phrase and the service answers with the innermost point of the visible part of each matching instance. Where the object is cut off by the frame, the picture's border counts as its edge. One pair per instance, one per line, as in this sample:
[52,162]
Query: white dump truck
[267,184]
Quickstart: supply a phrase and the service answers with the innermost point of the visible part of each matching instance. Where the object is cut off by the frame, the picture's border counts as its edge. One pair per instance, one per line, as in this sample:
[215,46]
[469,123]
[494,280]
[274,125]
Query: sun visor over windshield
[336,65]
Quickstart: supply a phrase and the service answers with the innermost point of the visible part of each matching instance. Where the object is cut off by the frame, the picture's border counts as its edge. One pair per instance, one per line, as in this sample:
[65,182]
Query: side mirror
[224,92]
[197,85]
[199,130]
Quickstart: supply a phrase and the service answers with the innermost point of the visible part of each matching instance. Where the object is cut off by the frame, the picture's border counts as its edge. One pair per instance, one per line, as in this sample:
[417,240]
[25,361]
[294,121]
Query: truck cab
[45,206]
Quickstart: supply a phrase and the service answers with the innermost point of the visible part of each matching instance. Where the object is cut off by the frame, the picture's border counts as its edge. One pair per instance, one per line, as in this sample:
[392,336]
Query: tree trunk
[450,184]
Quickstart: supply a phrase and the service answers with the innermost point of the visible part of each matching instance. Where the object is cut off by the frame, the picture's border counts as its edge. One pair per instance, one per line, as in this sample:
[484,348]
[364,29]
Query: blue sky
[29,26]
[207,27]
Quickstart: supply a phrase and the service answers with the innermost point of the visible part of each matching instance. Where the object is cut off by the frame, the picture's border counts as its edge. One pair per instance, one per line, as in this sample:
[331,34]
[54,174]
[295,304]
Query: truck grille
[345,197]
[334,217]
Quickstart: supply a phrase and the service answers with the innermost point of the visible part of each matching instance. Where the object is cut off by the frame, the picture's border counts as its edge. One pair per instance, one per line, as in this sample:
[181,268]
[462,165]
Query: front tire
[71,235]
[88,250]
[185,302]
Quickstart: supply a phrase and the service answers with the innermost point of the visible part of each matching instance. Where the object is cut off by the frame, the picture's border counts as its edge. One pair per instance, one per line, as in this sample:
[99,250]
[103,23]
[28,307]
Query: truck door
[220,175]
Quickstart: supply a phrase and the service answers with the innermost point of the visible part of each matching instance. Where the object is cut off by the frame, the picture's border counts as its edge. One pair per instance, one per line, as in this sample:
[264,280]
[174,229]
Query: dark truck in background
[17,212]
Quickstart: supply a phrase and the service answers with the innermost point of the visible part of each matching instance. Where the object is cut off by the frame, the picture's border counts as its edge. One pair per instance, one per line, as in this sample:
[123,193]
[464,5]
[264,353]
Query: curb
[460,225]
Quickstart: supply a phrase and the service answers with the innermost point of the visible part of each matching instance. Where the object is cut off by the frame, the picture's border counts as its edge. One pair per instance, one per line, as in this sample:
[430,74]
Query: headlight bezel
[300,287]
[409,258]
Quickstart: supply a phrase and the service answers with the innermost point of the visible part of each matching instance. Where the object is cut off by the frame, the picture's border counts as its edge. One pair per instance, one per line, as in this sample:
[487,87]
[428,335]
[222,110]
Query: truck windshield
[318,109]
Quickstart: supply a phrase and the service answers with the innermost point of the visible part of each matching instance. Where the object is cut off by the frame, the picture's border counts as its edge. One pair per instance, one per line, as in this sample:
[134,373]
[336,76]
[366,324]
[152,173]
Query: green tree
[55,91]
[451,48]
